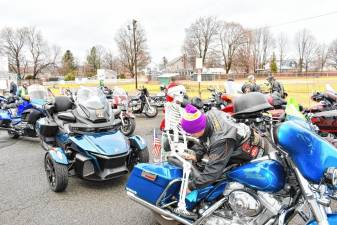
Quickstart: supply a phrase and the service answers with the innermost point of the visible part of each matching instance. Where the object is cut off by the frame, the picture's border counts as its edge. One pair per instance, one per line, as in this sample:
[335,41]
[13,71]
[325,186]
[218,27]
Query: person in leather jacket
[223,140]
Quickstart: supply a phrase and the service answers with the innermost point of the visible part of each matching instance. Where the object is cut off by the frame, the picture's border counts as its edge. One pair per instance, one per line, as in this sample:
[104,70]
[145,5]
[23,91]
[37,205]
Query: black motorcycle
[119,103]
[142,104]
[160,98]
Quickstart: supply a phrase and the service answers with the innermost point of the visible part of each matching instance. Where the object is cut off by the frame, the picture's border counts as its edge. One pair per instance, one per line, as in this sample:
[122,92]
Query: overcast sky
[79,24]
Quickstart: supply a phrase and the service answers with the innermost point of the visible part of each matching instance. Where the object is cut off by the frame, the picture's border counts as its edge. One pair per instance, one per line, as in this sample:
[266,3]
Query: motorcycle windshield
[120,97]
[232,88]
[38,94]
[329,88]
[293,110]
[93,99]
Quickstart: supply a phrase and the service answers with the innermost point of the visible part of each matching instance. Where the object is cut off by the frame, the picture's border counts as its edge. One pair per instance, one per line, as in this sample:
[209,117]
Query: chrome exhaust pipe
[157,209]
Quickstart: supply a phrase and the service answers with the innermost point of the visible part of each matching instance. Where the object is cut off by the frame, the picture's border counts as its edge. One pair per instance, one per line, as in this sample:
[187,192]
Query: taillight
[315,120]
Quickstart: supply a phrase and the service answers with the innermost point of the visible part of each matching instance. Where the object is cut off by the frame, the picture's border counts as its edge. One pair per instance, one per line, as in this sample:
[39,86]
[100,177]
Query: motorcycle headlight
[331,176]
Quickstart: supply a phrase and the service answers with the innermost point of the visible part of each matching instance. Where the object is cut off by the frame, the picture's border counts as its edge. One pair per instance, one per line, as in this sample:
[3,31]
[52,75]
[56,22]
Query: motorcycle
[324,114]
[120,107]
[142,104]
[18,116]
[160,98]
[269,190]
[81,137]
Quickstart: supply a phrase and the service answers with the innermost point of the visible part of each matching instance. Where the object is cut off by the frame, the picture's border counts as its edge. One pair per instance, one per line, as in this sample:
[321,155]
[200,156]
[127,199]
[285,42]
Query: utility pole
[134,23]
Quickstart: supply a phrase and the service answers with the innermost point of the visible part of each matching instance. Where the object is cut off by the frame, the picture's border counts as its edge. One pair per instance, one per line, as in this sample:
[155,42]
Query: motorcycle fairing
[104,143]
[311,154]
[58,155]
[138,142]
[268,175]
[23,107]
[4,115]
[332,219]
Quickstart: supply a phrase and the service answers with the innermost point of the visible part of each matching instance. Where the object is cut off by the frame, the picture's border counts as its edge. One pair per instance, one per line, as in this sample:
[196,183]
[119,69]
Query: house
[181,66]
[209,74]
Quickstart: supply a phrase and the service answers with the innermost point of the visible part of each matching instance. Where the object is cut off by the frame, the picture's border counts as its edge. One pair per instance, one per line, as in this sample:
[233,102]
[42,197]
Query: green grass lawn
[299,88]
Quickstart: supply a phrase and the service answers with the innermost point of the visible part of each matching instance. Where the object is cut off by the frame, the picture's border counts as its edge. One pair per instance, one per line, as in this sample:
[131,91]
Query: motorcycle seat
[66,116]
[194,171]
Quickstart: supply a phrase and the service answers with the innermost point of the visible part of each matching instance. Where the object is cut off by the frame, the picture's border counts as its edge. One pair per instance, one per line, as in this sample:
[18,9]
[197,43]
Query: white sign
[198,63]
[199,78]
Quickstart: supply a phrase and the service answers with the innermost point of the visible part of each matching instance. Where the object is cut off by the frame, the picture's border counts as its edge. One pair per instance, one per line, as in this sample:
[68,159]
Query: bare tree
[262,43]
[243,60]
[321,56]
[282,44]
[12,45]
[127,51]
[40,52]
[111,62]
[231,36]
[332,54]
[305,43]
[200,37]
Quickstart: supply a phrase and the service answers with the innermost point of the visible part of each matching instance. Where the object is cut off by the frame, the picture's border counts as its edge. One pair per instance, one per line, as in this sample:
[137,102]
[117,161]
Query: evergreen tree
[68,63]
[273,65]
[93,61]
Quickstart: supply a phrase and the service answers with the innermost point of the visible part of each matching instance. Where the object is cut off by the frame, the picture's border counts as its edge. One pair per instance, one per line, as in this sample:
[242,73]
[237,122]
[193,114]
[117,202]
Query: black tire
[13,134]
[57,174]
[151,111]
[141,156]
[163,221]
[129,127]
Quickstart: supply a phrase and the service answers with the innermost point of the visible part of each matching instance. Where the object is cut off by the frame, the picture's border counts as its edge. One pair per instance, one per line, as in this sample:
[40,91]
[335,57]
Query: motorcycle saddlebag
[148,181]
[5,118]
[46,127]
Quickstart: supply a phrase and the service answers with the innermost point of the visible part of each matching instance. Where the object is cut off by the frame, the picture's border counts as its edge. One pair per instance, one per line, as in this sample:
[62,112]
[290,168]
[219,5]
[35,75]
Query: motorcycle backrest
[62,103]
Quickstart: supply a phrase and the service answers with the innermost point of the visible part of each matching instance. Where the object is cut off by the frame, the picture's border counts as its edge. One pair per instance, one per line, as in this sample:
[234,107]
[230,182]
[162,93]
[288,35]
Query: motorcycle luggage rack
[163,195]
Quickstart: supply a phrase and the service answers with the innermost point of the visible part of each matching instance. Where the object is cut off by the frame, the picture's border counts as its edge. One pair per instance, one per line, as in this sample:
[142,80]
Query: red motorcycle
[324,114]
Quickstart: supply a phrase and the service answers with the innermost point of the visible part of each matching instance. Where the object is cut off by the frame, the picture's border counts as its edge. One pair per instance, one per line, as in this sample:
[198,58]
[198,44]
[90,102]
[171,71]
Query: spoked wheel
[163,220]
[129,126]
[13,134]
[151,111]
[57,174]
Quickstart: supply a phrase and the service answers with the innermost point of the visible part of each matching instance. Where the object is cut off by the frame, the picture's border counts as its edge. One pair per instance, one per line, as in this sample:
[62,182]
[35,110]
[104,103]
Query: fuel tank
[311,153]
[268,175]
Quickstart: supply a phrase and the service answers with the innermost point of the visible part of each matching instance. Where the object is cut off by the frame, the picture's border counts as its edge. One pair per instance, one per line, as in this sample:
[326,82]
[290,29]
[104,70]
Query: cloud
[78,25]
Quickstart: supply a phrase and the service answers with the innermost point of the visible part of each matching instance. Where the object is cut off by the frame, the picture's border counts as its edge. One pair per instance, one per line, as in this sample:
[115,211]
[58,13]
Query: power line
[300,20]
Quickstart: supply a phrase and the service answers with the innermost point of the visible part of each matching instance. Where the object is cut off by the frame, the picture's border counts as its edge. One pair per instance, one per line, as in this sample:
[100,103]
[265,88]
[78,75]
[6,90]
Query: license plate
[100,113]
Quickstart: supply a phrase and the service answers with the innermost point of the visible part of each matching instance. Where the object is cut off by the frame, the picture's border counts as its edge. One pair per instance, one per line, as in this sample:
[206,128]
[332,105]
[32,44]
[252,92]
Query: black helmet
[250,103]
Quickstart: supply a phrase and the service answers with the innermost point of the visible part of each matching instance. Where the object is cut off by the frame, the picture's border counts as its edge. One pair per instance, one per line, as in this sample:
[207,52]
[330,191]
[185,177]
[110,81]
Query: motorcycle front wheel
[129,126]
[57,174]
[150,111]
[13,134]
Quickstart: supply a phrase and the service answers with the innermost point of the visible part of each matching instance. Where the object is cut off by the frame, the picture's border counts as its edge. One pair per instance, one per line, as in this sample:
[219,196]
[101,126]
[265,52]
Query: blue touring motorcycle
[82,138]
[19,115]
[298,178]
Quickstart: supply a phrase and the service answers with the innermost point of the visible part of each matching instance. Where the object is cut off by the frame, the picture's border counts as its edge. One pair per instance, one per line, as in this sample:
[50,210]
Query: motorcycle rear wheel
[163,221]
[13,134]
[151,111]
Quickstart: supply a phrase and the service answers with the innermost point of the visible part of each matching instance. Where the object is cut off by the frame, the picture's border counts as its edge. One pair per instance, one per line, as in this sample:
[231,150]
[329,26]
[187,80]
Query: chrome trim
[157,209]
[210,210]
[165,190]
[317,209]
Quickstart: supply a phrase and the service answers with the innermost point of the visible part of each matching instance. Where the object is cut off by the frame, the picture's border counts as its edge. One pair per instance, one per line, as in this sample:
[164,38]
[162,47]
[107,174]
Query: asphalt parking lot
[25,197]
